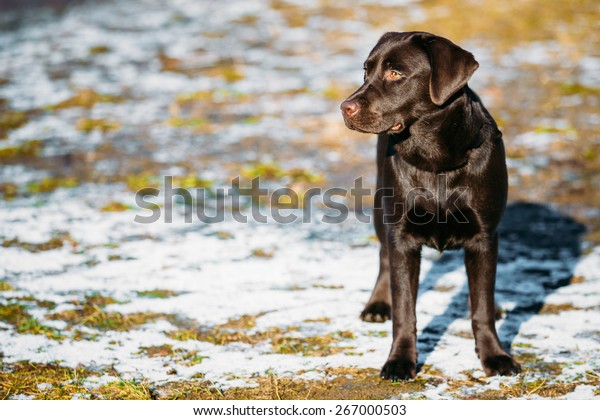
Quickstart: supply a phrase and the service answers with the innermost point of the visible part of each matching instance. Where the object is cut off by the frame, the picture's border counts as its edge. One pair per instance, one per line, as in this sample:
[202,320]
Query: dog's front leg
[481,255]
[405,262]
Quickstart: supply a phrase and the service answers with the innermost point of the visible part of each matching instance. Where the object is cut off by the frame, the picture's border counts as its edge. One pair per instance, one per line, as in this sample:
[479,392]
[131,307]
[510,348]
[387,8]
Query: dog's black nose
[350,108]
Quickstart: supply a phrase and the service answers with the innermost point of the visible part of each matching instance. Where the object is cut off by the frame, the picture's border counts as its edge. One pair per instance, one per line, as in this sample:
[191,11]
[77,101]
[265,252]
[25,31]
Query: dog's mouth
[397,128]
[355,125]
[372,124]
[356,128]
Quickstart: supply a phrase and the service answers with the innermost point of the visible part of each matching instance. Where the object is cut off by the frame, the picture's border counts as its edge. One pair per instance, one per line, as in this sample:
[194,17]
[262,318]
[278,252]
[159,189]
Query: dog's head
[407,75]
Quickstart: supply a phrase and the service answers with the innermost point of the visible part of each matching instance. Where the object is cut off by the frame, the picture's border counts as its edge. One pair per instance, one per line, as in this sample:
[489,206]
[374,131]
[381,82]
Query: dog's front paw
[376,312]
[399,370]
[500,364]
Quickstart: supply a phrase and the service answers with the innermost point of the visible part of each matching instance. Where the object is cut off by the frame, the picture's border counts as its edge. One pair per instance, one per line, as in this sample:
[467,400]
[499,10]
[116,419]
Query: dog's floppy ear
[451,68]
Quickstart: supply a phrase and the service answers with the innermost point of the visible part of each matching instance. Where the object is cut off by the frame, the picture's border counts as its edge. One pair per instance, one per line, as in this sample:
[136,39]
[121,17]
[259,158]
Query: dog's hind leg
[480,260]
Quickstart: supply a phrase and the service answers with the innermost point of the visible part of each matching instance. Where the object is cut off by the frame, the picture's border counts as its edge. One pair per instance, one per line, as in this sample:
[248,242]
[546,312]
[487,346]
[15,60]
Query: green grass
[17,315]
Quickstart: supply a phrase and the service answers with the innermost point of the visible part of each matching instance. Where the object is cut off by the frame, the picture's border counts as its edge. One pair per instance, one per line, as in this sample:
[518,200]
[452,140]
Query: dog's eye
[393,75]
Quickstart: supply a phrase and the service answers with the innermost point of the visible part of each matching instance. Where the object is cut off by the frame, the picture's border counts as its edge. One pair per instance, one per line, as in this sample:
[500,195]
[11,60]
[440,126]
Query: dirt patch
[337,384]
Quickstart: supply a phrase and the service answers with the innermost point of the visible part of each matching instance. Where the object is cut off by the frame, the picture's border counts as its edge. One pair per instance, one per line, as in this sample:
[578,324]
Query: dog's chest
[434,209]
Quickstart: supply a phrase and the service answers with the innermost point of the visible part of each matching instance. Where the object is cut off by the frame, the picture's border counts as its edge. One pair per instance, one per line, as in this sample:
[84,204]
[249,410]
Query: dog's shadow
[538,250]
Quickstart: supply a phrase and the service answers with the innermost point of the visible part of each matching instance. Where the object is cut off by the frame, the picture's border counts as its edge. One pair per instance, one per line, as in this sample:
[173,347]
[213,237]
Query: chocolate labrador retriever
[441,182]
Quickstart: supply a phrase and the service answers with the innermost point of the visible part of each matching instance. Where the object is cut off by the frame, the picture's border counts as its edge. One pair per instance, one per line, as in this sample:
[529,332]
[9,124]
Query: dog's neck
[423,145]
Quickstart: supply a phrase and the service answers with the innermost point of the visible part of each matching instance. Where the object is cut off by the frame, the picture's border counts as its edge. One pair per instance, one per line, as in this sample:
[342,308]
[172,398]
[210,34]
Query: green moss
[323,320]
[381,334]
[191,181]
[526,388]
[195,123]
[590,154]
[223,235]
[252,120]
[320,346]
[522,346]
[85,98]
[214,34]
[527,358]
[28,149]
[26,378]
[578,89]
[136,182]
[543,129]
[232,331]
[8,190]
[95,317]
[97,299]
[534,364]
[55,242]
[125,390]
[4,286]
[47,185]
[31,325]
[190,97]
[87,125]
[115,206]
[230,73]
[262,253]
[430,370]
[181,356]
[17,315]
[304,175]
[246,20]
[29,299]
[189,358]
[99,49]
[553,309]
[158,293]
[79,335]
[263,170]
[13,313]
[467,334]
[183,334]
[11,120]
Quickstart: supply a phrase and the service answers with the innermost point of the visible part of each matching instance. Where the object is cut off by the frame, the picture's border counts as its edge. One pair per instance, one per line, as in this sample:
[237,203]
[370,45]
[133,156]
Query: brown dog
[442,171]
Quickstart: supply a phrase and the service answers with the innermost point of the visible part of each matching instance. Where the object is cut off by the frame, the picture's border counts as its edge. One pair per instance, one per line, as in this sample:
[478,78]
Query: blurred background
[123,92]
[99,99]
